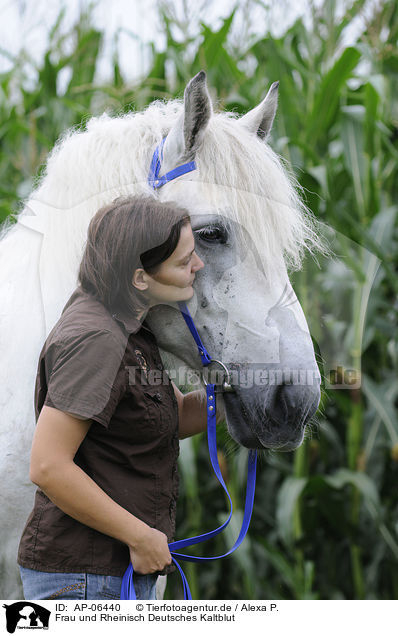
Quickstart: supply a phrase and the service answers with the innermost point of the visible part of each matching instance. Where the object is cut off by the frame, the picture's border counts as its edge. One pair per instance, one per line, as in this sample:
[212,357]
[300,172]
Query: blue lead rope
[127,591]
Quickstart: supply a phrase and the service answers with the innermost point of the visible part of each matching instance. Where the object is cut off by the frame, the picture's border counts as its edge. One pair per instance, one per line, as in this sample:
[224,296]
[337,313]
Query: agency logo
[26,615]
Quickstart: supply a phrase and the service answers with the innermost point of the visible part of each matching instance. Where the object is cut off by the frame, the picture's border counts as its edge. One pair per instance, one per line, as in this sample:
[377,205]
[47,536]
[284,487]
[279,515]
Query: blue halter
[153,178]
[127,590]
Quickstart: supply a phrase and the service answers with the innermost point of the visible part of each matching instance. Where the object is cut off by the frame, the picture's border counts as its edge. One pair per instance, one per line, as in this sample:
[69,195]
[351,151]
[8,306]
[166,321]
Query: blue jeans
[66,585]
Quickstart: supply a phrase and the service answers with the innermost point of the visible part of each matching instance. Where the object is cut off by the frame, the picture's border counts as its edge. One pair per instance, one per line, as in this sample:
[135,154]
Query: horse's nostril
[275,400]
[285,402]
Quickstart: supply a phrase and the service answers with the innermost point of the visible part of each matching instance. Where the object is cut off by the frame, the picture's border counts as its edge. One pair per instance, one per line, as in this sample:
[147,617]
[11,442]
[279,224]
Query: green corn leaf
[287,499]
[352,133]
[187,466]
[282,564]
[372,100]
[344,477]
[377,396]
[368,490]
[328,94]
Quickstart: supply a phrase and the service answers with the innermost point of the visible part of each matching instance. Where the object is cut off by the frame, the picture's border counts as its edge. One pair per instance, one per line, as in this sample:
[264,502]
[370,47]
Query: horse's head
[248,222]
[250,227]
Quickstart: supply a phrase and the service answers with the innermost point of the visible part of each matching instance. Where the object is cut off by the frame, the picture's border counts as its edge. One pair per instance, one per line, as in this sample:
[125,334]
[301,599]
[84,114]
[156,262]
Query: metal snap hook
[226,385]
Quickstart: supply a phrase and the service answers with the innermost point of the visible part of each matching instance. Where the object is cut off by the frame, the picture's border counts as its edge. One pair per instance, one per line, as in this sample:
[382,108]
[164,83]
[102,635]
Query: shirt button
[159,396]
[159,366]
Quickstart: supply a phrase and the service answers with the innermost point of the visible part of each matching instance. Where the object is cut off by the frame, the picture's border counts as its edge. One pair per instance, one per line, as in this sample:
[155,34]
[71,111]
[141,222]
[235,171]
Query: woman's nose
[198,263]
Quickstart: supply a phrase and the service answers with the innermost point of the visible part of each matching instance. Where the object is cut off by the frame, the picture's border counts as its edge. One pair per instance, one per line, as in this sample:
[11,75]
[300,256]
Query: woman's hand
[192,412]
[150,553]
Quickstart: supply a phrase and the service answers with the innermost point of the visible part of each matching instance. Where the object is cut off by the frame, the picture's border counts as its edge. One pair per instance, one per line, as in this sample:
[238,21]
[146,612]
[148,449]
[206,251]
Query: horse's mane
[263,194]
[89,166]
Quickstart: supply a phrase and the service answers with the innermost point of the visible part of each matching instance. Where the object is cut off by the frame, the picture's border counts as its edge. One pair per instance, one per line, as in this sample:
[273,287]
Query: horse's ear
[186,135]
[259,120]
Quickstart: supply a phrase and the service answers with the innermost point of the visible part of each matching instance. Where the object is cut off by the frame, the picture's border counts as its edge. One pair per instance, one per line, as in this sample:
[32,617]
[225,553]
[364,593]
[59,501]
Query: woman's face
[174,278]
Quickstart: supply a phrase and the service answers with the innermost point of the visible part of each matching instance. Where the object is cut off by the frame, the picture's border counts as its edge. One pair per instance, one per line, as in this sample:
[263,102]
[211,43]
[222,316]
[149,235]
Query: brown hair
[131,232]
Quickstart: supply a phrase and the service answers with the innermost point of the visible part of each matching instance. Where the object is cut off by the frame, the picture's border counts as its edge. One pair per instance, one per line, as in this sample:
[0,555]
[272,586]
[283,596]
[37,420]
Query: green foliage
[325,521]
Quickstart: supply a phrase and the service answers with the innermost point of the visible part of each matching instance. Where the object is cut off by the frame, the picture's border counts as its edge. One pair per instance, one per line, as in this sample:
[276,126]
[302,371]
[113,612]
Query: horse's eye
[212,234]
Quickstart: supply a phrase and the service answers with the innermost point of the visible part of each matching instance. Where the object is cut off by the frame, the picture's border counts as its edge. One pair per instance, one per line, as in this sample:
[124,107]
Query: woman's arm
[192,412]
[57,438]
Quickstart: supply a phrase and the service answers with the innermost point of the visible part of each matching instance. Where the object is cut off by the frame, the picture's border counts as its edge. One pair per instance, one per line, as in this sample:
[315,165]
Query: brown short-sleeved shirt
[106,368]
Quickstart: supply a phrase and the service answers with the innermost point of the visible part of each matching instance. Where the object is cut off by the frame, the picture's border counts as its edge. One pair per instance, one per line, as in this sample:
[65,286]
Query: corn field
[325,519]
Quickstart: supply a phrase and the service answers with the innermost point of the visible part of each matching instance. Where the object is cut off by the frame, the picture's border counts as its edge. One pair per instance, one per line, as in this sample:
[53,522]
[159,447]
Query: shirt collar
[130,323]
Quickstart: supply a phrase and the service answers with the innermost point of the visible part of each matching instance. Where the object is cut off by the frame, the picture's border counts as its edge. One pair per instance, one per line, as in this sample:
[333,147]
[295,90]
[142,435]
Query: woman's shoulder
[86,319]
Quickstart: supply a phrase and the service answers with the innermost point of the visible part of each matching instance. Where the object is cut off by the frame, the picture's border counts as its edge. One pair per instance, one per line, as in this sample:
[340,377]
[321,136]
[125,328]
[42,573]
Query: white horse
[250,227]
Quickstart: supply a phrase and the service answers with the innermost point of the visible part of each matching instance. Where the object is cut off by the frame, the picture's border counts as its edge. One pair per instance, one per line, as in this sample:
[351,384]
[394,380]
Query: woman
[104,453]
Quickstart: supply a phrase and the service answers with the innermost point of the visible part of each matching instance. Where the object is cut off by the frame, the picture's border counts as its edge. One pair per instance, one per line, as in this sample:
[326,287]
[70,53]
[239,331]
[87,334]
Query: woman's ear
[140,279]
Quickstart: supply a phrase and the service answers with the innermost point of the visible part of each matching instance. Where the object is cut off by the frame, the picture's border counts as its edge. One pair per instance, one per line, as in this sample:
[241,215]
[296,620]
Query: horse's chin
[245,436]
[281,429]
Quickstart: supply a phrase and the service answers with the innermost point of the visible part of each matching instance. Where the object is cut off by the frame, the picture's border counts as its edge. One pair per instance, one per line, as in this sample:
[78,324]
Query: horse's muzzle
[272,417]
